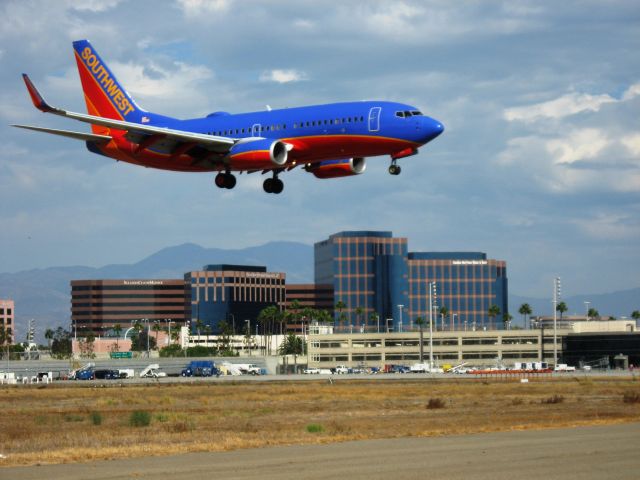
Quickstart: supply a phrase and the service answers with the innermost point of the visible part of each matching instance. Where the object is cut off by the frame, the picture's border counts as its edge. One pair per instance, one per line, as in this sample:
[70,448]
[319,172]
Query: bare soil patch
[63,424]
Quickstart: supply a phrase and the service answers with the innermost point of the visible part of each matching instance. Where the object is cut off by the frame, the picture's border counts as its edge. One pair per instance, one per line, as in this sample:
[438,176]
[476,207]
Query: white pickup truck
[342,369]
[563,367]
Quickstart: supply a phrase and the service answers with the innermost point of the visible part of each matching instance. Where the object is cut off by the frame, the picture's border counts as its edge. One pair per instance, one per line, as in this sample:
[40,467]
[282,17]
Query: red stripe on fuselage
[306,150]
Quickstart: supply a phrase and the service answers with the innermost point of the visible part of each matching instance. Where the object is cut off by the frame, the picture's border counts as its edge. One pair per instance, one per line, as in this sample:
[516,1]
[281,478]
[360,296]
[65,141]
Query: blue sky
[539,164]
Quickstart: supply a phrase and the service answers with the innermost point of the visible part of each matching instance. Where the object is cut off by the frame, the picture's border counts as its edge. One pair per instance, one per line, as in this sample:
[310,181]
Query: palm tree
[493,312]
[156,328]
[374,318]
[48,334]
[199,325]
[340,306]
[561,307]
[506,319]
[444,313]
[117,329]
[420,322]
[359,312]
[267,318]
[593,313]
[635,315]
[525,311]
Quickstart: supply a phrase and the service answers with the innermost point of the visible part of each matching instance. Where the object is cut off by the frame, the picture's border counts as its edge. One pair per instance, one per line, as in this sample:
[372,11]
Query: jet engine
[258,154]
[344,167]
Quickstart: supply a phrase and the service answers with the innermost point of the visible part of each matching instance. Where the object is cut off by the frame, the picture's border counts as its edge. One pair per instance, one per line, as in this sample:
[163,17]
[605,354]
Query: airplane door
[255,130]
[374,119]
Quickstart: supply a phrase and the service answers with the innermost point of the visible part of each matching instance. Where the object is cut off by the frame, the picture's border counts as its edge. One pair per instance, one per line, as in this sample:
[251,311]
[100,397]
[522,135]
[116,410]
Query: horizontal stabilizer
[67,133]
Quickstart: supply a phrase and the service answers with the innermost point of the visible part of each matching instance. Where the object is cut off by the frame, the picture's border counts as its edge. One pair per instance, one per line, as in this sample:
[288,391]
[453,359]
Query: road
[602,452]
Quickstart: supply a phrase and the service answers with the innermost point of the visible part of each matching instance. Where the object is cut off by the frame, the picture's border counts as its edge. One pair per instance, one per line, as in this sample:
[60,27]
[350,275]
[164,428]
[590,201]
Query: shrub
[73,418]
[140,418]
[517,401]
[435,403]
[631,397]
[315,428]
[552,400]
[96,418]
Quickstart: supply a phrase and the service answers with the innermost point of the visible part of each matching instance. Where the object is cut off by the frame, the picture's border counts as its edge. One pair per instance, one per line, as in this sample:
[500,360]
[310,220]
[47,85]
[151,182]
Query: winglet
[37,99]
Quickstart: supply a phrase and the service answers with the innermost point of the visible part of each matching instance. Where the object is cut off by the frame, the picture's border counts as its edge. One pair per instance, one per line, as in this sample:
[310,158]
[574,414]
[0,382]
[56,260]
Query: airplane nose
[432,128]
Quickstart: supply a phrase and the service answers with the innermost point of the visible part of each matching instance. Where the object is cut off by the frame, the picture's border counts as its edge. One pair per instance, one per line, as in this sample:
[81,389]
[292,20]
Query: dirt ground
[78,423]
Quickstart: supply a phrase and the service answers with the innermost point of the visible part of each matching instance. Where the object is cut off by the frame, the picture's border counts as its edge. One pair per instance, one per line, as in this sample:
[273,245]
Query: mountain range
[44,294]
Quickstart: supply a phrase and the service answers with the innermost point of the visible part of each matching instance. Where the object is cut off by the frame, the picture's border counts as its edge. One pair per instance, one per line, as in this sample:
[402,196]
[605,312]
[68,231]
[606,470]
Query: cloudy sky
[539,164]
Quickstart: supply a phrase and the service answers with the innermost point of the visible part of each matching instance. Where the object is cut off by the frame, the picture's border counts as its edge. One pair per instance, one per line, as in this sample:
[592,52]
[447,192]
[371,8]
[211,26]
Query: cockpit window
[400,114]
[416,112]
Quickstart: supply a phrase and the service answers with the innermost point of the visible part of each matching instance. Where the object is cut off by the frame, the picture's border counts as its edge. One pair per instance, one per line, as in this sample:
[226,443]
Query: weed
[180,426]
[73,418]
[162,417]
[631,397]
[140,418]
[435,403]
[517,401]
[315,428]
[552,400]
[96,418]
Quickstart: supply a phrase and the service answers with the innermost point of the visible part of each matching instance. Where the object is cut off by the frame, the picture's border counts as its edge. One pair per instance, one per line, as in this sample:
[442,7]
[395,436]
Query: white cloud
[200,8]
[583,144]
[93,5]
[282,76]
[610,226]
[632,144]
[564,106]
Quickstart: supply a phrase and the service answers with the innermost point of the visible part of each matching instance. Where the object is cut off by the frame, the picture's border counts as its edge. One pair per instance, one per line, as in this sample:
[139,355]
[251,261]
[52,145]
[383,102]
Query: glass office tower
[368,271]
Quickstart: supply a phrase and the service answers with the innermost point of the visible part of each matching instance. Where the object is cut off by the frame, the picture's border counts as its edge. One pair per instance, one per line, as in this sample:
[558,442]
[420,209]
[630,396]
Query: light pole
[432,291]
[453,322]
[248,334]
[556,297]
[400,312]
[169,321]
[586,310]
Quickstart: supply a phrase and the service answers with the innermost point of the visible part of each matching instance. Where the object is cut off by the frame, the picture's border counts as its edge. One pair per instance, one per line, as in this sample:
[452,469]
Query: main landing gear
[394,168]
[225,180]
[273,185]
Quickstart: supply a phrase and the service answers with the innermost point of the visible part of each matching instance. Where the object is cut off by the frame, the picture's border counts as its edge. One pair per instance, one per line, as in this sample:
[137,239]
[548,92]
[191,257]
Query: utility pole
[400,312]
[432,294]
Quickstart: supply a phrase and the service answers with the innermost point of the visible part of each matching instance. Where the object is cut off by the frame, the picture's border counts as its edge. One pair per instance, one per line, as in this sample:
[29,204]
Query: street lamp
[556,297]
[453,321]
[586,309]
[400,307]
[248,334]
[233,322]
[432,292]
[169,321]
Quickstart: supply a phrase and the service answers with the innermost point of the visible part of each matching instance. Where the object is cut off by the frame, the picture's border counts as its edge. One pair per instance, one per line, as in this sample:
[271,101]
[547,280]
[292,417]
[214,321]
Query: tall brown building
[7,317]
[98,305]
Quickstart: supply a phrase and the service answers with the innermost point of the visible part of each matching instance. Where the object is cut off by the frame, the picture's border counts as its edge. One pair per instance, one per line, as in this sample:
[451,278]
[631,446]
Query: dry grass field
[62,424]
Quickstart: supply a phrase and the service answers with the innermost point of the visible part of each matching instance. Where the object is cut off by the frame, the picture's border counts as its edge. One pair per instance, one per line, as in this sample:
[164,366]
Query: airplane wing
[68,133]
[135,131]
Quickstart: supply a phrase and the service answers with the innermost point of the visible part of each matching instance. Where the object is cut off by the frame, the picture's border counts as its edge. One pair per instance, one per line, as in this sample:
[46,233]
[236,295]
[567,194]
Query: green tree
[342,318]
[117,330]
[374,318]
[156,329]
[359,312]
[292,345]
[635,315]
[224,339]
[48,334]
[593,313]
[493,312]
[267,317]
[87,346]
[444,313]
[139,341]
[525,311]
[561,307]
[420,322]
[506,320]
[61,344]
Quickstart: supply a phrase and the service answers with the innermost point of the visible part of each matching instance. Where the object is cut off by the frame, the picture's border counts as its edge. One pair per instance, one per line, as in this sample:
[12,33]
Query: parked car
[106,374]
[84,374]
[311,371]
[342,369]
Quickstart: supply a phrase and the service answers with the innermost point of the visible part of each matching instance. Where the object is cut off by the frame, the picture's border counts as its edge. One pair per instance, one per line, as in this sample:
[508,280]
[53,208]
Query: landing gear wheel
[225,180]
[268,185]
[394,169]
[277,186]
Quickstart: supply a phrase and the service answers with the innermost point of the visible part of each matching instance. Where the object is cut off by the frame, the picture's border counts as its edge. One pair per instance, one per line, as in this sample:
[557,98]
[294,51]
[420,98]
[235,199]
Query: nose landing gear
[394,168]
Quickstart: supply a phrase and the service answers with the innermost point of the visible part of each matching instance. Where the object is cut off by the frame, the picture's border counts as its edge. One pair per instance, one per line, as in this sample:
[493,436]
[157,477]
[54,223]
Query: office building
[232,294]
[379,284]
[7,319]
[99,305]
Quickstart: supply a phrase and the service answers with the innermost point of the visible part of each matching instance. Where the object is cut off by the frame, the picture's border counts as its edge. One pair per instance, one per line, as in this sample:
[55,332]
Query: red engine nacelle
[344,167]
